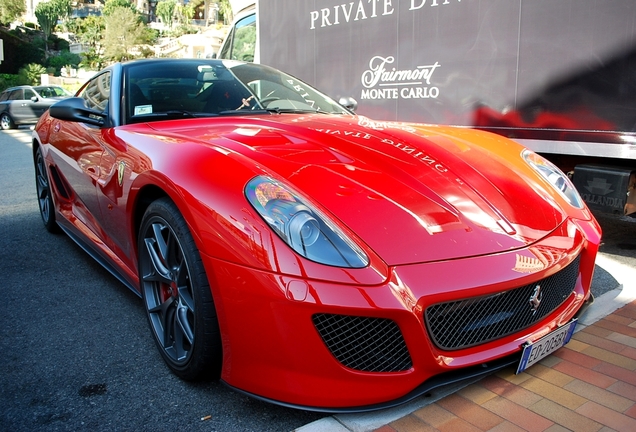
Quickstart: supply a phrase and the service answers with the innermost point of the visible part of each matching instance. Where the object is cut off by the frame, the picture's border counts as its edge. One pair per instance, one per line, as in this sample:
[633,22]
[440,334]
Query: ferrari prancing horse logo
[121,168]
[535,299]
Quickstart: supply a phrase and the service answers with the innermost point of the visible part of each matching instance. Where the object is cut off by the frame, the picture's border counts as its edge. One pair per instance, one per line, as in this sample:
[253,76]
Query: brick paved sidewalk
[588,385]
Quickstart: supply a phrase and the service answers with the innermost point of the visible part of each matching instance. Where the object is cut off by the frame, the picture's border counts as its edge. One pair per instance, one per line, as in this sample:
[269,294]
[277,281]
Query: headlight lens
[302,227]
[554,176]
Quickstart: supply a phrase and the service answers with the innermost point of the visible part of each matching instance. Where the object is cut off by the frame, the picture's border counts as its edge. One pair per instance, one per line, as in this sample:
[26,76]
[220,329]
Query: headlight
[302,227]
[554,176]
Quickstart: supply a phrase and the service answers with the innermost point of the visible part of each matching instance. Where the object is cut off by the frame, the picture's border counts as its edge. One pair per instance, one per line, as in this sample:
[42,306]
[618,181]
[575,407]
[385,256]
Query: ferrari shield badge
[121,168]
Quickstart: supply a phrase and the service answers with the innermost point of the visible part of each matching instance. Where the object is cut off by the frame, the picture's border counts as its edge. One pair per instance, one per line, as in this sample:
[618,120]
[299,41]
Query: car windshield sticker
[143,109]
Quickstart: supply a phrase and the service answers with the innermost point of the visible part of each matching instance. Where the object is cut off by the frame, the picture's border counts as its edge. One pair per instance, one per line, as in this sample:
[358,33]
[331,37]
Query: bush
[65,58]
[30,74]
[150,35]
[58,44]
[9,80]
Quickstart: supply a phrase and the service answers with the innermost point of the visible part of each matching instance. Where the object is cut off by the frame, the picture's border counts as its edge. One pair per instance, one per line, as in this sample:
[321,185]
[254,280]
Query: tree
[88,30]
[65,8]
[165,11]
[50,12]
[111,5]
[47,15]
[11,9]
[225,9]
[123,31]
[184,13]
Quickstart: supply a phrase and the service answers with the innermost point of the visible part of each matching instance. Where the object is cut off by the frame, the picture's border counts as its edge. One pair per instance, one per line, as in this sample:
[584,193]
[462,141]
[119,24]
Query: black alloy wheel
[43,189]
[176,294]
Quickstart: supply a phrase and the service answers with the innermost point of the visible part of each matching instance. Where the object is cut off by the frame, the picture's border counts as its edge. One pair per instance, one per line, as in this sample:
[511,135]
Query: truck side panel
[555,65]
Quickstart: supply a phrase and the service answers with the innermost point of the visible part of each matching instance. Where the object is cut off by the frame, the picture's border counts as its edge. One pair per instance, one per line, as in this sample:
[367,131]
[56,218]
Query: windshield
[197,88]
[52,91]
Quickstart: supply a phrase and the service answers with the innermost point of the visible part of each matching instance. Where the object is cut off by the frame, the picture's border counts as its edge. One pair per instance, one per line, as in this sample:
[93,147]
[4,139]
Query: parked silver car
[25,104]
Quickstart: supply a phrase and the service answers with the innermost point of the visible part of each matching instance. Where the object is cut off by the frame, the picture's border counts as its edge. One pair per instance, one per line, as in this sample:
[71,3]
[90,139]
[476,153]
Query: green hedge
[10,80]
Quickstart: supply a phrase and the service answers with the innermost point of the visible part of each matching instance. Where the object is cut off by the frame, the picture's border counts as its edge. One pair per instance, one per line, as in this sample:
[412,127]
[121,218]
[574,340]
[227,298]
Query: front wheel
[43,189]
[6,122]
[176,294]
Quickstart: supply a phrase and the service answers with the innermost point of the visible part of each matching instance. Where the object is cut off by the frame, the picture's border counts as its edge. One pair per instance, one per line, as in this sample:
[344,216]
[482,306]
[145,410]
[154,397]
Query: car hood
[412,193]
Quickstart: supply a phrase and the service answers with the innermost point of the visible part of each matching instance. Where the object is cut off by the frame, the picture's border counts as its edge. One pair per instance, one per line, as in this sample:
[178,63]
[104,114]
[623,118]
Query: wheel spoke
[183,286]
[156,247]
[168,319]
[43,184]
[179,350]
[184,324]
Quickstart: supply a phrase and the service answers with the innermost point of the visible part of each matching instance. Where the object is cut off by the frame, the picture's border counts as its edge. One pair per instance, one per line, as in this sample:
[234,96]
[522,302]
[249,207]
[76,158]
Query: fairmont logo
[382,81]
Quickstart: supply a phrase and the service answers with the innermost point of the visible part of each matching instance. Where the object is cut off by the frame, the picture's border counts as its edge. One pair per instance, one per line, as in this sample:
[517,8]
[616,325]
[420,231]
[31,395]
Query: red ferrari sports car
[303,254]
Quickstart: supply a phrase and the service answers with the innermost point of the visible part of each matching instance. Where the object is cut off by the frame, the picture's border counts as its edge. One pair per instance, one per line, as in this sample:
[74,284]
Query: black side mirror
[349,103]
[74,109]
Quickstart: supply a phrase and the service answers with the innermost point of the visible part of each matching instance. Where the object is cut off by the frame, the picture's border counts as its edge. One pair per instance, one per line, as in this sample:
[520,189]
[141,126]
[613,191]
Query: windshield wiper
[168,115]
[294,111]
[177,114]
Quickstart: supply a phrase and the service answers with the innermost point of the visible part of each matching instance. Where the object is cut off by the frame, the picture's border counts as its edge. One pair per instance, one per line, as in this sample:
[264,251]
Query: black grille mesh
[363,343]
[469,322]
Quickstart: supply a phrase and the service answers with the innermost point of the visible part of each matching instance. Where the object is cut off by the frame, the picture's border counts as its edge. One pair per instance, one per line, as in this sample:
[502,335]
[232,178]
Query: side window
[16,95]
[4,96]
[45,92]
[242,41]
[28,94]
[97,92]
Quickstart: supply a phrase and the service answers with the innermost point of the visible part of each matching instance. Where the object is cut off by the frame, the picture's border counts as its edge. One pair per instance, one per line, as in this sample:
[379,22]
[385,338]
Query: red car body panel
[417,190]
[436,228]
[306,368]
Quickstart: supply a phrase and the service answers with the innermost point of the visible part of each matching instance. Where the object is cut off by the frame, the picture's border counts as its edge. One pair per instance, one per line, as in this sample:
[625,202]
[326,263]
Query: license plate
[535,351]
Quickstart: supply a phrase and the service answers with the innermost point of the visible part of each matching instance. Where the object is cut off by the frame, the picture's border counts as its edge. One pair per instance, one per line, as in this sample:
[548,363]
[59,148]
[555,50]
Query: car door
[77,150]
[38,104]
[118,167]
[4,102]
[19,108]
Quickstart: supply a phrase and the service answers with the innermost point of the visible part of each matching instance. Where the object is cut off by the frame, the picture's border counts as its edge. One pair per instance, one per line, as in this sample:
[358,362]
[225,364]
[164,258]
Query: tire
[6,122]
[176,294]
[44,193]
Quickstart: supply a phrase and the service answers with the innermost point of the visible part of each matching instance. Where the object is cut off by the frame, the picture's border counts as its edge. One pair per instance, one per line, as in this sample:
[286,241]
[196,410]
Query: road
[75,348]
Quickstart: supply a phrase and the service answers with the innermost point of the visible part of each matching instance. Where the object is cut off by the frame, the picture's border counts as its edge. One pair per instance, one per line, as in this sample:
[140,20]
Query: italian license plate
[535,351]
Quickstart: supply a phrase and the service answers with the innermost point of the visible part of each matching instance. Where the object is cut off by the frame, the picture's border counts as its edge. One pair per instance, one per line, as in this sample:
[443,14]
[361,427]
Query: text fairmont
[366,9]
[380,82]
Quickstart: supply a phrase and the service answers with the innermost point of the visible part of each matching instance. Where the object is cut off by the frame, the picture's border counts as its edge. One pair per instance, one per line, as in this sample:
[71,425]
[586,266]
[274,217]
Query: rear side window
[16,95]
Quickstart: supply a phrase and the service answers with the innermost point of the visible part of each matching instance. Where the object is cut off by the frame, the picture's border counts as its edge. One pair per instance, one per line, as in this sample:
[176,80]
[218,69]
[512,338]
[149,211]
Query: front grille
[363,343]
[464,323]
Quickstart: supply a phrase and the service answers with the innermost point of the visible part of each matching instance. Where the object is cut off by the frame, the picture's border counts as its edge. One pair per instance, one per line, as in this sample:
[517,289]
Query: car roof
[30,87]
